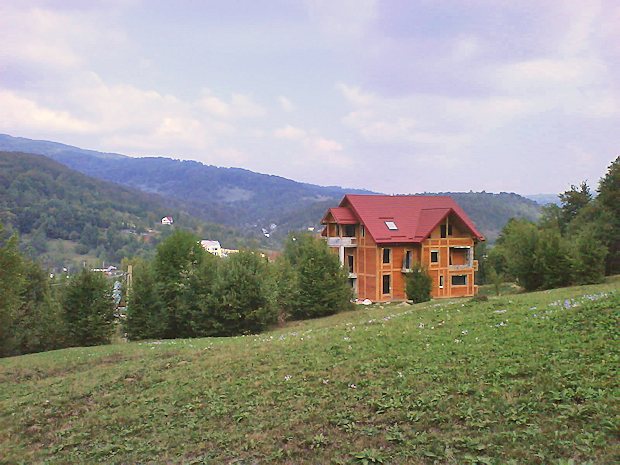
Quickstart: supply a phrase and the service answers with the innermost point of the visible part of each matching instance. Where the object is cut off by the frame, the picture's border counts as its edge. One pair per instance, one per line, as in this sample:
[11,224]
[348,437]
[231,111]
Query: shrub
[323,287]
[418,284]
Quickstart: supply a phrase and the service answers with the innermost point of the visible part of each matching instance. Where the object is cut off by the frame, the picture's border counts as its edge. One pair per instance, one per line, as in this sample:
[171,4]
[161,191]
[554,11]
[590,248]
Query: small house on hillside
[213,247]
[379,238]
[167,220]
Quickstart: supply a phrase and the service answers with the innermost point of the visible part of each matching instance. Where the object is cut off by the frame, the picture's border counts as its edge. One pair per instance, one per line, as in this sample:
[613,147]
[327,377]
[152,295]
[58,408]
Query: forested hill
[62,214]
[490,212]
[248,200]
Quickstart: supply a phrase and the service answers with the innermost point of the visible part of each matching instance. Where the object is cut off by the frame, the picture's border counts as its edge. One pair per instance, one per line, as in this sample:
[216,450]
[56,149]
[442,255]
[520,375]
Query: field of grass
[518,379]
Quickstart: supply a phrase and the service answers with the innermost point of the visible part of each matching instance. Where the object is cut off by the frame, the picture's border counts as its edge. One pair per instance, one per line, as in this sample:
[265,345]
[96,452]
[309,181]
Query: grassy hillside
[521,379]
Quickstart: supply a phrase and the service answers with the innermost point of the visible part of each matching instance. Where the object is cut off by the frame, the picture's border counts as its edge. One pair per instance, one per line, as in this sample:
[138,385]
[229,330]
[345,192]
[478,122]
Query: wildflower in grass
[457,341]
[325,381]
[346,338]
[287,378]
[421,326]
[352,386]
[400,374]
[464,332]
[500,311]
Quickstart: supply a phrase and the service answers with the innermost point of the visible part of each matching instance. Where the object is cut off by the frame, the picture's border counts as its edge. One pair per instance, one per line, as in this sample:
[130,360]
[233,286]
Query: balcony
[342,242]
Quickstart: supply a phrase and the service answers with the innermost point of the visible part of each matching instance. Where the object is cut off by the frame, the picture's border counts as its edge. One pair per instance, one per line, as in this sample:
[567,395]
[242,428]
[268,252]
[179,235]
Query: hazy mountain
[244,199]
[544,199]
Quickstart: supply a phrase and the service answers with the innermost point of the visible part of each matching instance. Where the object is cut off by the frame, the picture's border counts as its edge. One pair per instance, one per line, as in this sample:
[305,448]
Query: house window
[386,283]
[349,230]
[446,231]
[459,280]
[387,253]
[391,225]
[434,256]
[407,262]
[441,282]
[350,263]
[337,230]
[363,231]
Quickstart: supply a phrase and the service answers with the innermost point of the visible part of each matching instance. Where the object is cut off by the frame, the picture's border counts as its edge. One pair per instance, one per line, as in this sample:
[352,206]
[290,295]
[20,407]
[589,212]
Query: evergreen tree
[243,296]
[11,283]
[573,200]
[609,199]
[145,318]
[323,283]
[39,324]
[177,259]
[418,284]
[88,309]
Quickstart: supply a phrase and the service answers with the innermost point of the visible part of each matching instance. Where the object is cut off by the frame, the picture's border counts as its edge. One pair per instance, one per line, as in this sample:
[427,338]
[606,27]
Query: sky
[395,96]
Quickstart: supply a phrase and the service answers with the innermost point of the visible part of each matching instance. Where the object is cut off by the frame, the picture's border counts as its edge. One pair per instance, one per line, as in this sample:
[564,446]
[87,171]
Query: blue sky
[394,96]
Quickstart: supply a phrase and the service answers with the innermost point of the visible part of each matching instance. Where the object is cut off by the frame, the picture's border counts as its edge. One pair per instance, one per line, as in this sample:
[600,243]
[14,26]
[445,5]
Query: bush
[323,287]
[418,284]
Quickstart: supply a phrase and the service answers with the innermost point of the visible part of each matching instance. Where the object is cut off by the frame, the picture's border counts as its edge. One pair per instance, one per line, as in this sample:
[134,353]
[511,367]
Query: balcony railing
[342,242]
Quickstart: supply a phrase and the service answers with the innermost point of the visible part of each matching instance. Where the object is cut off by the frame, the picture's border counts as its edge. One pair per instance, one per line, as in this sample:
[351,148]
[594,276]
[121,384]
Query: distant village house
[167,220]
[379,238]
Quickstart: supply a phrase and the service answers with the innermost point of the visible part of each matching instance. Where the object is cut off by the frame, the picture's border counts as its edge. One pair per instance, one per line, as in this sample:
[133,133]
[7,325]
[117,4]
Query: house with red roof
[379,238]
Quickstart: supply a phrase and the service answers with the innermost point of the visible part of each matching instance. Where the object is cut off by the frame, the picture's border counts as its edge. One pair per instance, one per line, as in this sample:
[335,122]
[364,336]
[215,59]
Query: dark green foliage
[11,283]
[418,284]
[518,245]
[552,259]
[46,201]
[177,259]
[88,309]
[573,201]
[145,317]
[609,199]
[39,323]
[322,283]
[588,258]
[287,288]
[243,296]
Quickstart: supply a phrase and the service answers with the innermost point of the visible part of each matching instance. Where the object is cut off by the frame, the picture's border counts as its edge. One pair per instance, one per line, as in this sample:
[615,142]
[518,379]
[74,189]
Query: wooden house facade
[380,238]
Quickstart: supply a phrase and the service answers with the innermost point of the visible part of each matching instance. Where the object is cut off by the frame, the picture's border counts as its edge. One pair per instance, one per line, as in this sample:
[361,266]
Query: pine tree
[243,296]
[145,318]
[323,283]
[88,309]
[609,198]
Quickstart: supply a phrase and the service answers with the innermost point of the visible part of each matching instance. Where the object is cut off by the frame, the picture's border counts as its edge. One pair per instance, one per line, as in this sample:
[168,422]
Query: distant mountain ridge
[49,203]
[259,204]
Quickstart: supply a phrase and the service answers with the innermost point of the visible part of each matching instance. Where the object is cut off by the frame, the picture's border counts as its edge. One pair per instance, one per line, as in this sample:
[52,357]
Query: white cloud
[239,106]
[327,145]
[285,103]
[342,19]
[290,132]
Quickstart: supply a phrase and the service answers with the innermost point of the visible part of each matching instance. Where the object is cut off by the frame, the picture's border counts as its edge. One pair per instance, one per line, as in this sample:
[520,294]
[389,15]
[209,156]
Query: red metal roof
[415,216]
[342,215]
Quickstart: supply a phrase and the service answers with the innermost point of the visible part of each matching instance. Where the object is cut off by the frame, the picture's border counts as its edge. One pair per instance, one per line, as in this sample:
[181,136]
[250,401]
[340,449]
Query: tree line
[577,242]
[186,292]
[183,291]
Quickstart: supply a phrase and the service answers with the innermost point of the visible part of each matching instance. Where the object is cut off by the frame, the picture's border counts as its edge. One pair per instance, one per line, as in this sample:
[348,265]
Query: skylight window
[391,225]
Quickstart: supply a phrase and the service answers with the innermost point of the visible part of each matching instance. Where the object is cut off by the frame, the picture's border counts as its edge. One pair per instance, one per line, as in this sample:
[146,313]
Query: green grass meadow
[518,379]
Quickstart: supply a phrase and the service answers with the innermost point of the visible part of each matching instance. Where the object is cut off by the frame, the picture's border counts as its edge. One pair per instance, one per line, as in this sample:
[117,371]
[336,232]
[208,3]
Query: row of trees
[575,243]
[187,292]
[37,314]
